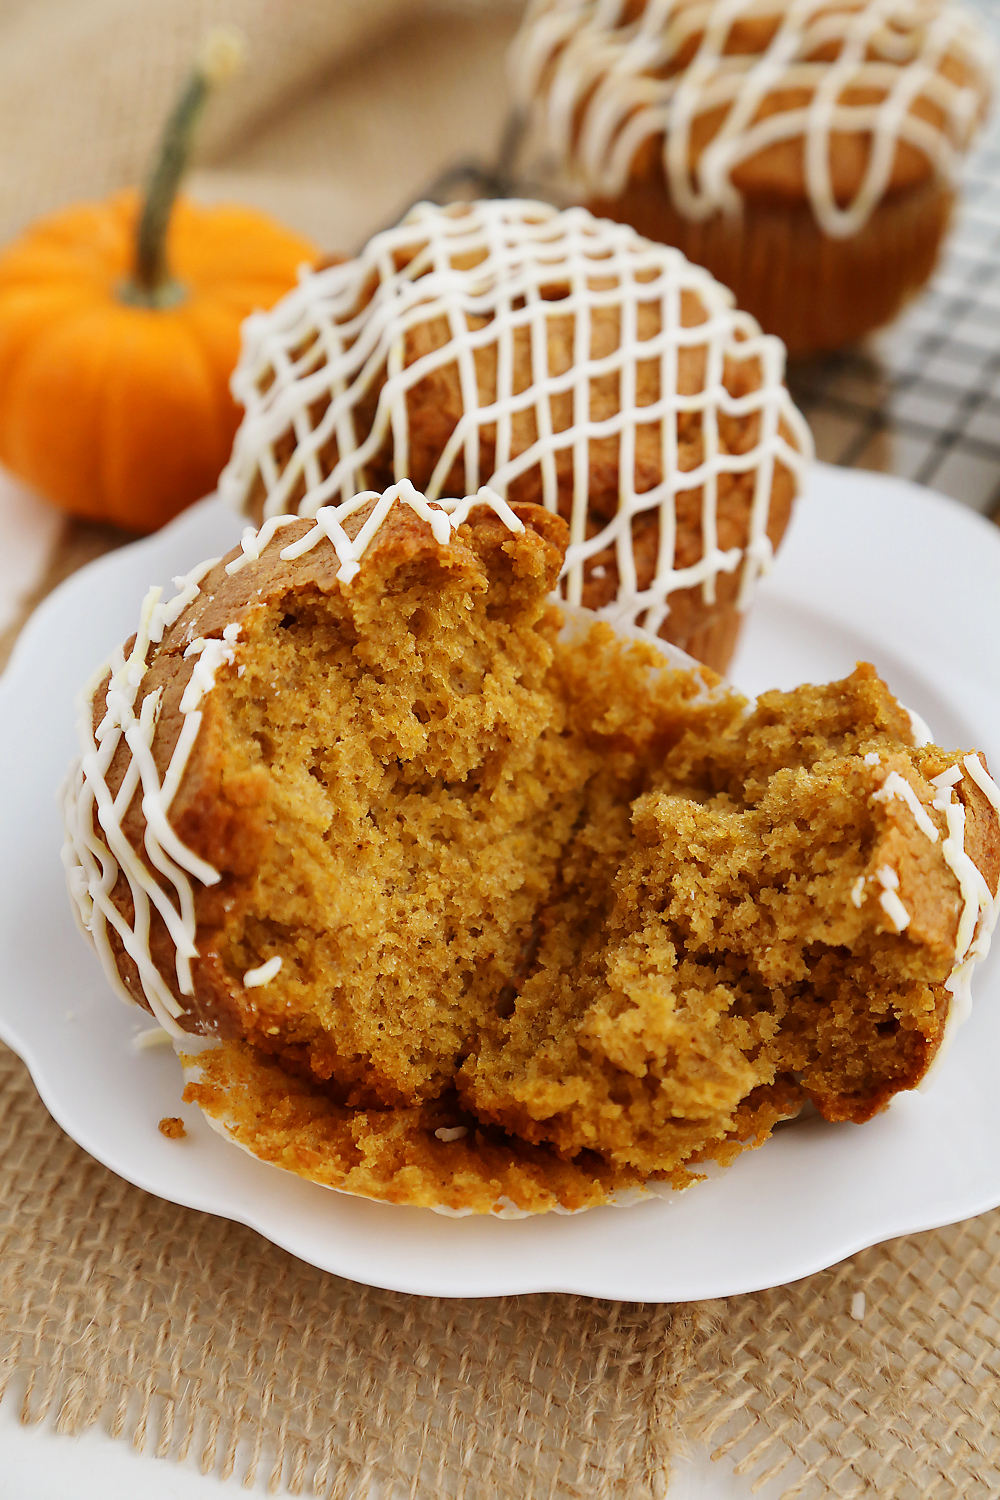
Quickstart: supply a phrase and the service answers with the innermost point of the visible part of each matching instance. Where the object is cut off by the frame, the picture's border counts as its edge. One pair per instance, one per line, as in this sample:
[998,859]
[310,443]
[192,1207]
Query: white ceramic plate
[873,568]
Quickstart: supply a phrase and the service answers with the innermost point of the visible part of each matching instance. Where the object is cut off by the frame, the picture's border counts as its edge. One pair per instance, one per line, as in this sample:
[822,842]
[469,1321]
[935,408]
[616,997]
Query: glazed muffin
[805,152]
[491,910]
[560,360]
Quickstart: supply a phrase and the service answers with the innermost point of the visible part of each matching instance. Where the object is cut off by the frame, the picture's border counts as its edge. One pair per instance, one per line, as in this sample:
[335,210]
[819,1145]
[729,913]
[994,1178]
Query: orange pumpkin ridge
[117,412]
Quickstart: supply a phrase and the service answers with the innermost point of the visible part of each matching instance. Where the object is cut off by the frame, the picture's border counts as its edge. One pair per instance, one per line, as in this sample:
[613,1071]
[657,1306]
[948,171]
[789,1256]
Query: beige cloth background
[188,1335]
[345,108]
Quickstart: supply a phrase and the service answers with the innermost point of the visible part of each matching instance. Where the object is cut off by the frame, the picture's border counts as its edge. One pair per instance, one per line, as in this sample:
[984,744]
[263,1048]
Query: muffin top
[838,103]
[558,358]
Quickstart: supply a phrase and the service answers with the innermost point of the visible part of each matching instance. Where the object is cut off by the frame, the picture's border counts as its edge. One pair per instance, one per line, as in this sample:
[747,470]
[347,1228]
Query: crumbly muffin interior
[426,771]
[421,790]
[558,893]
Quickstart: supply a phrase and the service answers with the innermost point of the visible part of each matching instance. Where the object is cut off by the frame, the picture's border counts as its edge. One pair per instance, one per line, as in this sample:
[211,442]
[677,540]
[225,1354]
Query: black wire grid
[922,397]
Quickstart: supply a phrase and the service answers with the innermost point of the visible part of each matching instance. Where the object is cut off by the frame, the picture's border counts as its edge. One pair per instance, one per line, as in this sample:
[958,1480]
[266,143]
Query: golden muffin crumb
[172,1126]
[510,915]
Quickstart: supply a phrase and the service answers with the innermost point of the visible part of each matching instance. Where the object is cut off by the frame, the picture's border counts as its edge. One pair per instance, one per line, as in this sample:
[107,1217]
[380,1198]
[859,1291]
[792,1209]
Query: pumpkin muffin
[449,900]
[805,151]
[560,360]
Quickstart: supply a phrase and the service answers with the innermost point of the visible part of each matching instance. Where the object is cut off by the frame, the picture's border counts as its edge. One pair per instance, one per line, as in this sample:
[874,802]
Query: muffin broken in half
[480,908]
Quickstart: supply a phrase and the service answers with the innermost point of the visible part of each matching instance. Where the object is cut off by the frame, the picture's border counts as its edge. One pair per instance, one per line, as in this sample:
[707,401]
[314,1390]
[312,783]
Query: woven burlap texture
[343,111]
[192,1337]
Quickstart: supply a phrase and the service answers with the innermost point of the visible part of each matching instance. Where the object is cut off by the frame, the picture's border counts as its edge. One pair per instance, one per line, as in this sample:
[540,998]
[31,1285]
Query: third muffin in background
[804,151]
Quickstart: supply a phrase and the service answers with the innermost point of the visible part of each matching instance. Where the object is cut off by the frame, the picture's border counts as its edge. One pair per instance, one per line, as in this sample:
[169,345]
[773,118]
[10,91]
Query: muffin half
[477,910]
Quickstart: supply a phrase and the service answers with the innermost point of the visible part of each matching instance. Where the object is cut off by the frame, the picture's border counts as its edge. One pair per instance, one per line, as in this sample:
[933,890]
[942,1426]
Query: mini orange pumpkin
[114,370]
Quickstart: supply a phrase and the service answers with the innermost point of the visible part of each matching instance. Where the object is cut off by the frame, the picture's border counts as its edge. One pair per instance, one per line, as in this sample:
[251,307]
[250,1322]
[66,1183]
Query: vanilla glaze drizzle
[487,270]
[599,81]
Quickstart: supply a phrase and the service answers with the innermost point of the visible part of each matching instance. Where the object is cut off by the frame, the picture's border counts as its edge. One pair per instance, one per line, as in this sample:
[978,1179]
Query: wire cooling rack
[922,397]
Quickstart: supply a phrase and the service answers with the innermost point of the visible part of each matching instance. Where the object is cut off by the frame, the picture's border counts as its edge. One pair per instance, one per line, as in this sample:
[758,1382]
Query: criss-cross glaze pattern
[326,371]
[602,81]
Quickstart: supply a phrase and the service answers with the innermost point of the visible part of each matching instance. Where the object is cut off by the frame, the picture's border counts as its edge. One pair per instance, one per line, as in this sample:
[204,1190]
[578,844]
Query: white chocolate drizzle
[93,862]
[211,654]
[153,1036]
[599,84]
[444,519]
[919,728]
[889,900]
[256,978]
[94,856]
[898,786]
[338,345]
[980,908]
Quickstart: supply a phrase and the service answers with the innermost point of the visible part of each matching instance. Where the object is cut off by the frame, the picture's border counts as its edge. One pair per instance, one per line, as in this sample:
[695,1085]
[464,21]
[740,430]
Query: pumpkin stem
[151,284]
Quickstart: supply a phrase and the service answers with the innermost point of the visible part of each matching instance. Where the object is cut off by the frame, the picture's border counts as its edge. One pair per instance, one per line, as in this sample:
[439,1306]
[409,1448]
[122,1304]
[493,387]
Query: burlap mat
[191,1336]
